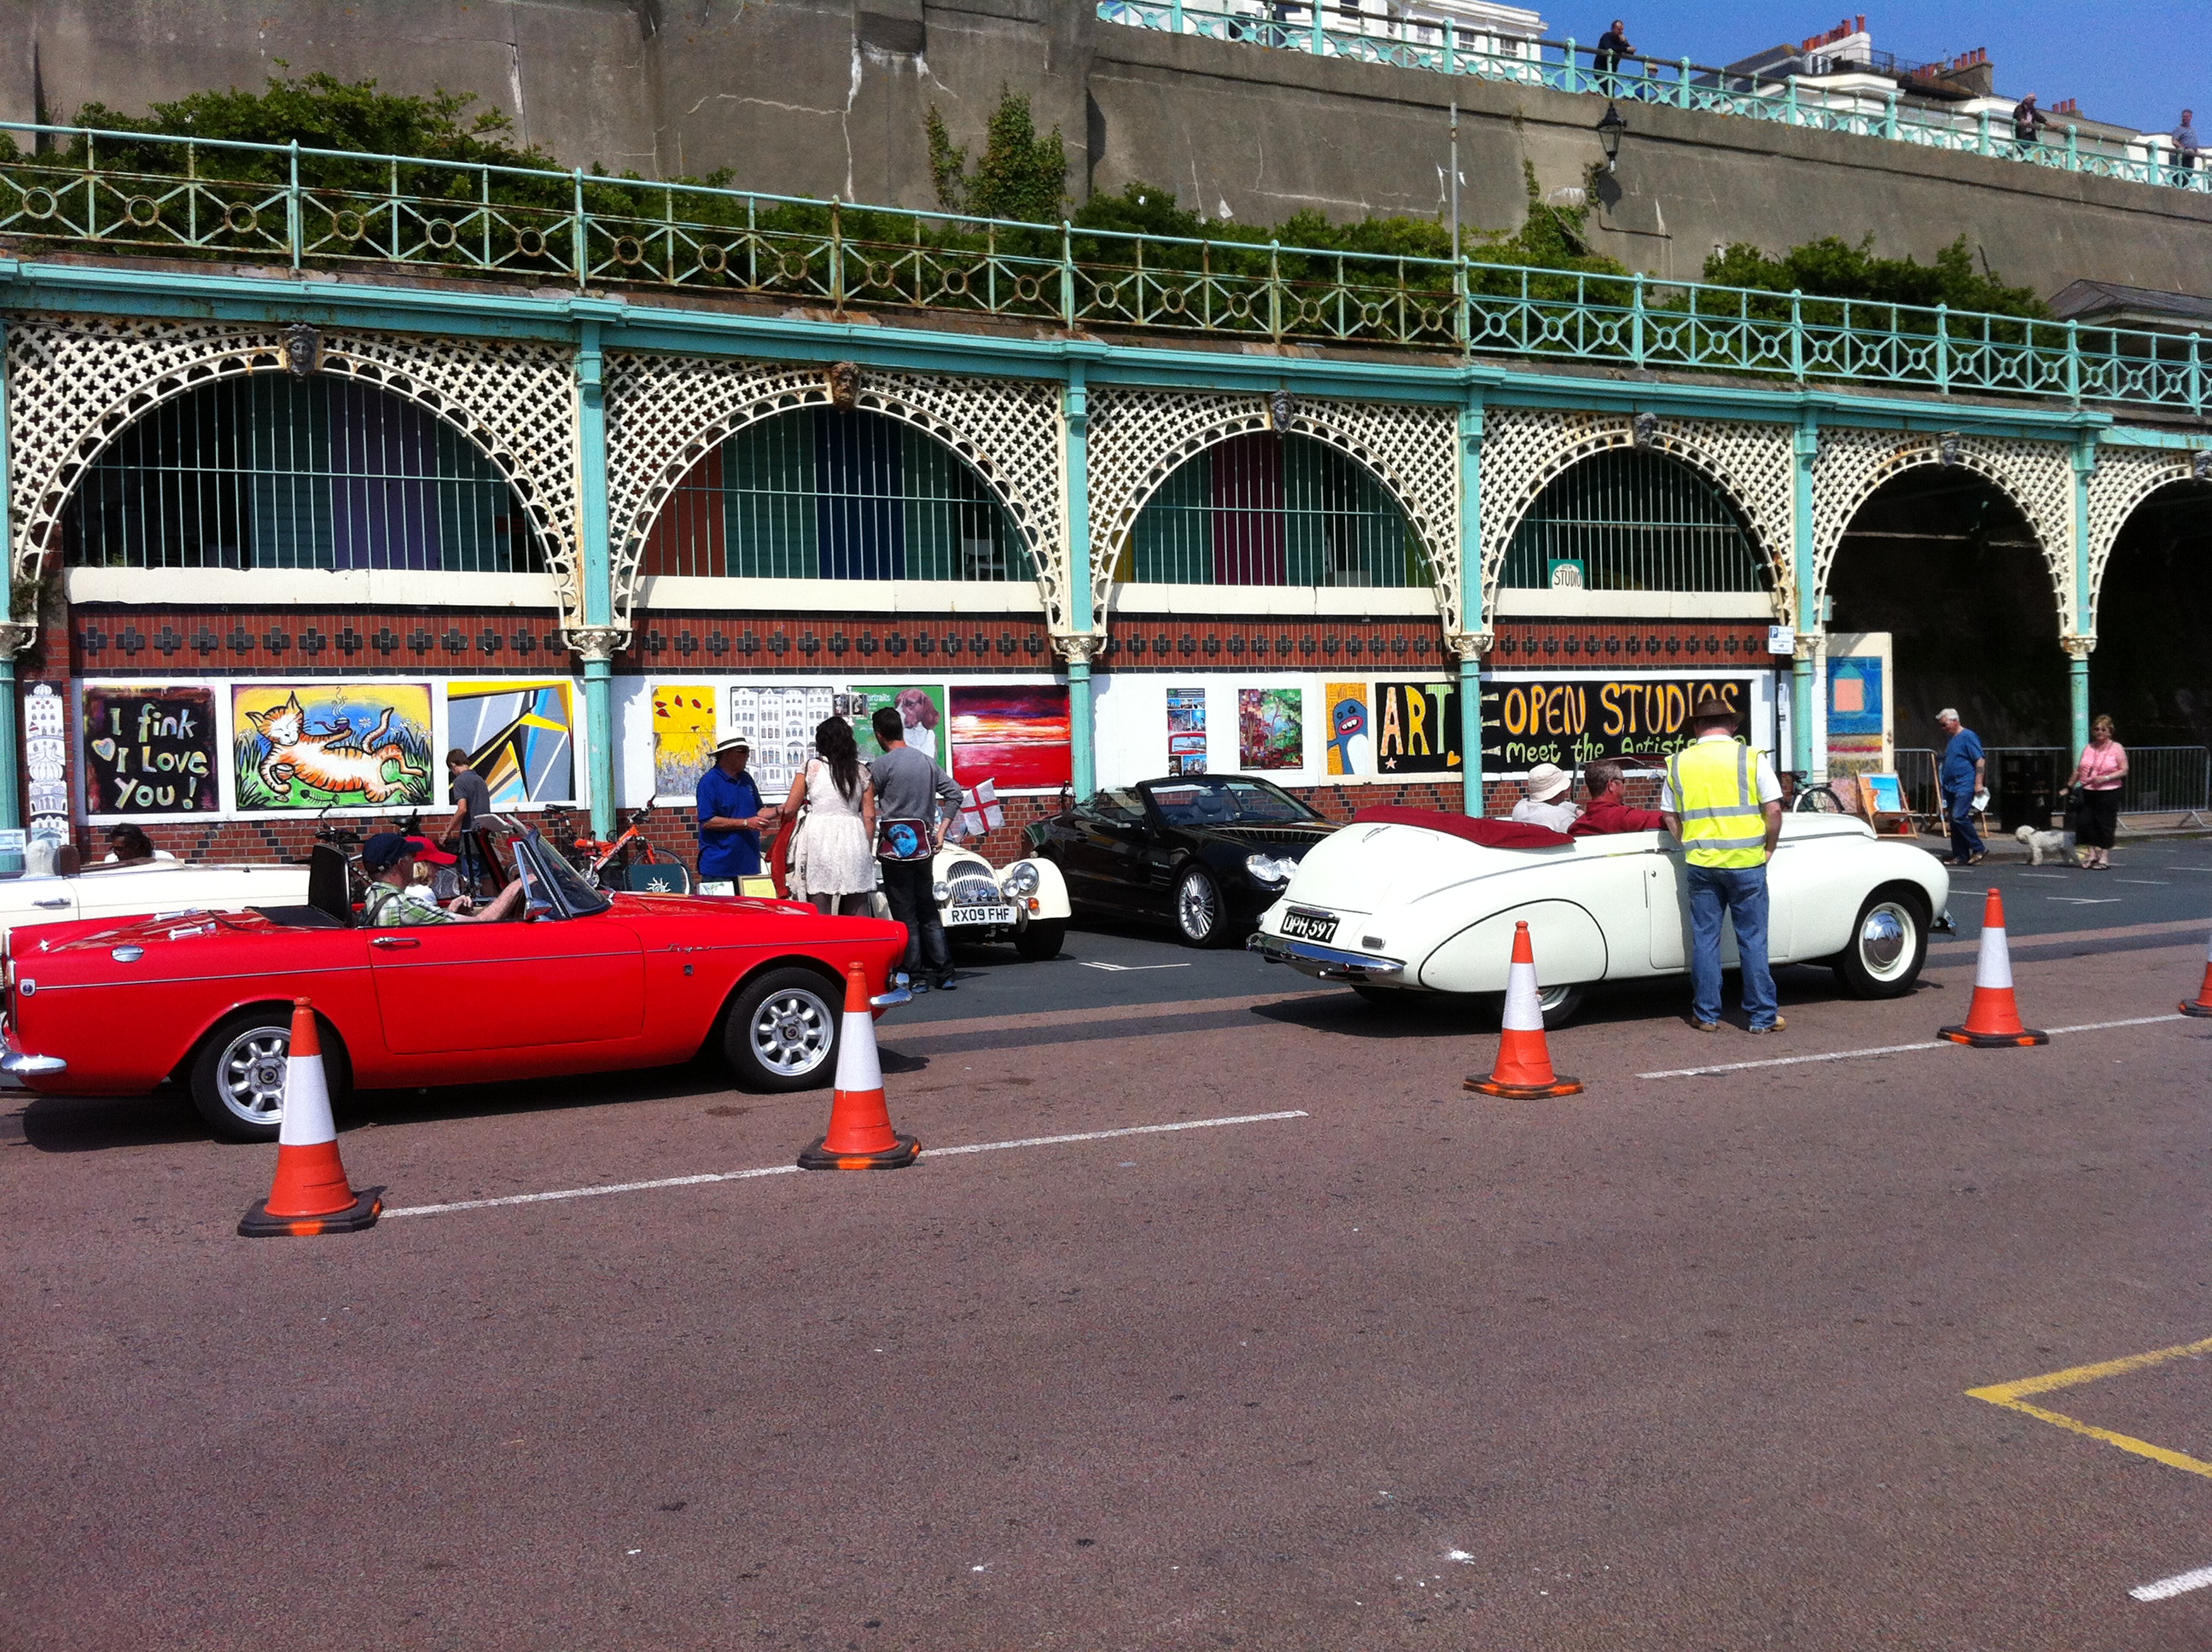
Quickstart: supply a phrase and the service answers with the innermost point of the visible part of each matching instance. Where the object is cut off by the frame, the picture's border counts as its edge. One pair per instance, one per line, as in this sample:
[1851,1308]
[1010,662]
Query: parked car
[1024,902]
[589,983]
[1404,902]
[118,890]
[1207,853]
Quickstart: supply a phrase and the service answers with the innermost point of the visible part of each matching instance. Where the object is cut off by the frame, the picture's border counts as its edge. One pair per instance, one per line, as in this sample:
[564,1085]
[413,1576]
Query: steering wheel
[1818,800]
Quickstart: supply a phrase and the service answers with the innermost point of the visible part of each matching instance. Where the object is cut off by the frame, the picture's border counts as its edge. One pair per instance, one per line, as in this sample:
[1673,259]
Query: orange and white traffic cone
[311,1195]
[860,1136]
[1992,1018]
[1524,1072]
[2202,1004]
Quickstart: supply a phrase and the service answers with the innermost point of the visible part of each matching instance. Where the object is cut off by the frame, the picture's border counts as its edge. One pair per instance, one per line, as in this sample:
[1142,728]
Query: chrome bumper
[15,1063]
[1326,962]
[897,995]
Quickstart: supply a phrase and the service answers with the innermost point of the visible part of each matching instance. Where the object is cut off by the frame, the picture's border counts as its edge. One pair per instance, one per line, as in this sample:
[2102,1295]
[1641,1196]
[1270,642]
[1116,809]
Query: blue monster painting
[1350,750]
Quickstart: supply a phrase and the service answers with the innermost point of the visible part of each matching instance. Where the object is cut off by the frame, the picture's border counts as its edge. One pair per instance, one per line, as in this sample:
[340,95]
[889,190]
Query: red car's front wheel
[237,1075]
[781,1031]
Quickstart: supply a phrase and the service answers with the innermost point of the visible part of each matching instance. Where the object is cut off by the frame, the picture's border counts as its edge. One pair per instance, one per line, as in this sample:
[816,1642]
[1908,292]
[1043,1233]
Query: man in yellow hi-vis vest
[1723,805]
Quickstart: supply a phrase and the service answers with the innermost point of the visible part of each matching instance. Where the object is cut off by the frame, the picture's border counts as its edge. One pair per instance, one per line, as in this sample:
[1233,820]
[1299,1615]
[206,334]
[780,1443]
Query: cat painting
[335,760]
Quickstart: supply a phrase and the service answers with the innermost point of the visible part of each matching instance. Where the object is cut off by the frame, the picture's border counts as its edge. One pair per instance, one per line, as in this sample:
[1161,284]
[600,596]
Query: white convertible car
[1404,902]
[1024,902]
[102,890]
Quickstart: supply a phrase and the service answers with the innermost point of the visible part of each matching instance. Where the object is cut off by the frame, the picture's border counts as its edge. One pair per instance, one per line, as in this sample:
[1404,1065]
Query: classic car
[1205,852]
[586,982]
[120,889]
[1024,902]
[1404,901]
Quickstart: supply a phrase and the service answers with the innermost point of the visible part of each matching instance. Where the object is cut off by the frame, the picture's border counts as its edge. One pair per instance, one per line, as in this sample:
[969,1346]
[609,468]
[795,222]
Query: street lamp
[1609,130]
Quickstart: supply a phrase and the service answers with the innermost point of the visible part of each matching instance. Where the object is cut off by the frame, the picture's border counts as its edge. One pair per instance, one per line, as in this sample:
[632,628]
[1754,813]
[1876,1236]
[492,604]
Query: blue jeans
[1741,892]
[1965,840]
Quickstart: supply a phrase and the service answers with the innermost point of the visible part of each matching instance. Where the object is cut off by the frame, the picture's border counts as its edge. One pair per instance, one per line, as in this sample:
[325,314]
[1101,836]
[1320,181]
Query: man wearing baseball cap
[1723,805]
[389,858]
[1546,803]
[731,814]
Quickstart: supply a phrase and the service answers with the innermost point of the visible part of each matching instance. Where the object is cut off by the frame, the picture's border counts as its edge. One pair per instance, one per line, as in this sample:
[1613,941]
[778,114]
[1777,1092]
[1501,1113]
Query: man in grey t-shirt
[471,817]
[910,788]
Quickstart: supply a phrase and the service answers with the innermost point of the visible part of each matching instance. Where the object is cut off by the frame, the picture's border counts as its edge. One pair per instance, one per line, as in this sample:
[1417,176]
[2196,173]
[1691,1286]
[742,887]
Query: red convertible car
[586,982]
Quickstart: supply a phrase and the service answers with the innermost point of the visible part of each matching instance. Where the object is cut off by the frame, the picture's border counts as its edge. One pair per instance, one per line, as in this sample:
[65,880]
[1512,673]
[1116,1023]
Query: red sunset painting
[1016,737]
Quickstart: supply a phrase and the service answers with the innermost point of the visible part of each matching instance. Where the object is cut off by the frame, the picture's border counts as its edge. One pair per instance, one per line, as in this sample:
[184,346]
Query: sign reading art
[1417,728]
[1572,721]
[150,751]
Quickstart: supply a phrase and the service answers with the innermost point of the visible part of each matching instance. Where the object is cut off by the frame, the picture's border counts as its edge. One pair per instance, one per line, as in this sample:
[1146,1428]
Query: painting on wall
[1351,746]
[148,751]
[1187,730]
[683,738]
[519,736]
[1417,728]
[1271,728]
[46,765]
[920,706]
[780,724]
[316,745]
[1015,736]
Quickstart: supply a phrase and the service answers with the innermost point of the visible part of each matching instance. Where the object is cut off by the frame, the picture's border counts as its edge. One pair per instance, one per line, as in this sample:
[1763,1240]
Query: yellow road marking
[2009,1395]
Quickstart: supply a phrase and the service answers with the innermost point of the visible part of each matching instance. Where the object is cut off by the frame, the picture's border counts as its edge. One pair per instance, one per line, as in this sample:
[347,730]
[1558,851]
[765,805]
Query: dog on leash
[2057,846]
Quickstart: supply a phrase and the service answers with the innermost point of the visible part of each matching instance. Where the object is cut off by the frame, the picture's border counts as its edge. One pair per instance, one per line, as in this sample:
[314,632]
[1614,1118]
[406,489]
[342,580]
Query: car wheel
[1200,919]
[781,1031]
[1040,938]
[1888,943]
[237,1075]
[1559,1004]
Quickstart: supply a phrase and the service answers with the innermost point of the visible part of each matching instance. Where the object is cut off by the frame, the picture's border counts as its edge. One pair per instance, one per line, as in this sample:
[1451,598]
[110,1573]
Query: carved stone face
[303,350]
[844,381]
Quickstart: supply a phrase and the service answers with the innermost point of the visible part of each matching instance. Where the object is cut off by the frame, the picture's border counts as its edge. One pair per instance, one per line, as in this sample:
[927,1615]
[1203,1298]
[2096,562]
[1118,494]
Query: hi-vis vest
[1716,784]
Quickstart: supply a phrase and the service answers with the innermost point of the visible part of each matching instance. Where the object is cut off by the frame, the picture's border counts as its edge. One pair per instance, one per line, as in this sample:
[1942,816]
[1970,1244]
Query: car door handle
[393,943]
[58,901]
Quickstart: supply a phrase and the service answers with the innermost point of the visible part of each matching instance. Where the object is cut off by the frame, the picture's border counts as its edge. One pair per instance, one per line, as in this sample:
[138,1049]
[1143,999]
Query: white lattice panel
[1524,450]
[74,384]
[665,413]
[2125,477]
[2038,477]
[1139,438]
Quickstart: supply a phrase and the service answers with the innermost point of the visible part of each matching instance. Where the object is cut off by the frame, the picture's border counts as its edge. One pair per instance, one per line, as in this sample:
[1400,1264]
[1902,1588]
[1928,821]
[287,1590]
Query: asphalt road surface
[1683,1361]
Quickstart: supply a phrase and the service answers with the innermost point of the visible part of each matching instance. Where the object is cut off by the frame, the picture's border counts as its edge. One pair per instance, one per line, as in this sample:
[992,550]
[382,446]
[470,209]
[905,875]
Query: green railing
[128,193]
[1565,66]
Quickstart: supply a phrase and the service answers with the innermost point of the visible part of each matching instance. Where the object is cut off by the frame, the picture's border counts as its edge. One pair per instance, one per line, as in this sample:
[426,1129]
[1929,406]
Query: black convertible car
[1206,853]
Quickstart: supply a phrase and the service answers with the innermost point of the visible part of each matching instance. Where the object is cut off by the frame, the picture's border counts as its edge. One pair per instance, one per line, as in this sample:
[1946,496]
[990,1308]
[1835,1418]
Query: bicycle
[627,862]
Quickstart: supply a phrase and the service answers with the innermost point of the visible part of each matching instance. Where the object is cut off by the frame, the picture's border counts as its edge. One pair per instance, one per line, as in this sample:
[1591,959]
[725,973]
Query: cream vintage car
[1404,902]
[143,887]
[1024,902]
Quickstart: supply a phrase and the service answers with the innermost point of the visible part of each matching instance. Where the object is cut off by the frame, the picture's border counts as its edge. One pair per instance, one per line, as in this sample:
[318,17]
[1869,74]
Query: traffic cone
[1524,1072]
[2202,1004]
[861,1135]
[1992,1018]
[311,1195]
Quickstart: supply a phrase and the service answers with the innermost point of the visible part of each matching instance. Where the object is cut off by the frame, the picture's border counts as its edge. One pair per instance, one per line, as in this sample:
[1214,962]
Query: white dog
[2058,845]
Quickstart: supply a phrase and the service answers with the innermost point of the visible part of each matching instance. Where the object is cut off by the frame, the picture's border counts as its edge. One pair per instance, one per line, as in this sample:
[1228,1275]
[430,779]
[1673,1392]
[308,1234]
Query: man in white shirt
[1547,802]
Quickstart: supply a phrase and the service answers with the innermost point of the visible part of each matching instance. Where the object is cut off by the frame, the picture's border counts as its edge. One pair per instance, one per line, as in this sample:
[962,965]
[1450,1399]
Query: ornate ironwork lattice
[73,385]
[2125,477]
[665,413]
[1524,450]
[1137,438]
[2038,477]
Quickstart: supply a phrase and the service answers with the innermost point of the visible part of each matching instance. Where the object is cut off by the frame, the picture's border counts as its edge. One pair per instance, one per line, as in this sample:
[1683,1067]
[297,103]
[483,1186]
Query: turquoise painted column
[1471,639]
[2084,638]
[1080,641]
[599,637]
[1805,453]
[12,637]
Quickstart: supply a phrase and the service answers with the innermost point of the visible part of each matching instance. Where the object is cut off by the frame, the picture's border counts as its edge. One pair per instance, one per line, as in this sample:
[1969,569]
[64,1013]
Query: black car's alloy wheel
[1200,917]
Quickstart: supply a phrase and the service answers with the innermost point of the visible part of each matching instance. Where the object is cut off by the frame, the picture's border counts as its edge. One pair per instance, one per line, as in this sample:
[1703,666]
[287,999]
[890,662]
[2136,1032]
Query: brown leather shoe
[1779,1025]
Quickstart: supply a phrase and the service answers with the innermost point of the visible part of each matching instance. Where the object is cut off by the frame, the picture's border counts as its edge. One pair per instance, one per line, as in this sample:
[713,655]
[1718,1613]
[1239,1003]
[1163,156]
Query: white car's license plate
[980,916]
[1308,925]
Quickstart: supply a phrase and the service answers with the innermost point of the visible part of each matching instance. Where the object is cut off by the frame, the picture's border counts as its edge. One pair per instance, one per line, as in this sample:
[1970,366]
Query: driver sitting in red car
[389,857]
[1605,812]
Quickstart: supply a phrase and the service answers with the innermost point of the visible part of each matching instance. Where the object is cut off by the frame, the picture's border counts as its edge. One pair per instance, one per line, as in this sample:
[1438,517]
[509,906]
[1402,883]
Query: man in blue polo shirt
[731,815]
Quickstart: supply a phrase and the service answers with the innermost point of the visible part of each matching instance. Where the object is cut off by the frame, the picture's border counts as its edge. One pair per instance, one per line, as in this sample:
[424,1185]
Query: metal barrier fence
[1568,66]
[205,199]
[2167,779]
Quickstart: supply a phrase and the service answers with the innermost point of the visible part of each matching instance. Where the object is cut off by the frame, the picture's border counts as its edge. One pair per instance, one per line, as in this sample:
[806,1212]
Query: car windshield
[554,886]
[1228,801]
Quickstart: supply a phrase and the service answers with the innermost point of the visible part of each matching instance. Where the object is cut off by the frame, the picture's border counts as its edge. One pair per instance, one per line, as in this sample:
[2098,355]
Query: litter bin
[2026,790]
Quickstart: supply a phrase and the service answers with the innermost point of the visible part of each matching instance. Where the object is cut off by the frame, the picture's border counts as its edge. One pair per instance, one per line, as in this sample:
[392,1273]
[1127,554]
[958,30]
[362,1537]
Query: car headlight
[940,891]
[1021,879]
[1266,869]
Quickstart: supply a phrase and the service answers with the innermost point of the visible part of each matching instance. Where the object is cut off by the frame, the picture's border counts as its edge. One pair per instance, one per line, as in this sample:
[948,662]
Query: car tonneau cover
[1490,833]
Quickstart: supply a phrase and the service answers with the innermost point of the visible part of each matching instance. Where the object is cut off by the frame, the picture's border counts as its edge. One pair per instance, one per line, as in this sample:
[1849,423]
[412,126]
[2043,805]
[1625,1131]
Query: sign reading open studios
[1575,720]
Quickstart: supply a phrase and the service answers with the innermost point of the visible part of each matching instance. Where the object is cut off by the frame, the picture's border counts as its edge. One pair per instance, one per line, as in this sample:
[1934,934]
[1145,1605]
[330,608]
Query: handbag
[903,841]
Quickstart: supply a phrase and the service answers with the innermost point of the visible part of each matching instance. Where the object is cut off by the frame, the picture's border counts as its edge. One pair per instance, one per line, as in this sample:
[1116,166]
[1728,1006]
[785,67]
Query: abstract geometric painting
[519,736]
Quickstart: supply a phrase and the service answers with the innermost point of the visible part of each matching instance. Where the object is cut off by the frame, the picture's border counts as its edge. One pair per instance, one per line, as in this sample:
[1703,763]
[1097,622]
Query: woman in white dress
[833,862]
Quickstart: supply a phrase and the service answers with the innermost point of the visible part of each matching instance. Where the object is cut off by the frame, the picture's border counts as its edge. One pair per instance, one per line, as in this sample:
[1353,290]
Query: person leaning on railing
[2185,149]
[1612,46]
[2097,778]
[2027,123]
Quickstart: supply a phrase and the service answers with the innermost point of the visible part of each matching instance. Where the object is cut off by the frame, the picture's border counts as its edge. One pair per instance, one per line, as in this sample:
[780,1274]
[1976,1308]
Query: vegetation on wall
[1833,268]
[1019,176]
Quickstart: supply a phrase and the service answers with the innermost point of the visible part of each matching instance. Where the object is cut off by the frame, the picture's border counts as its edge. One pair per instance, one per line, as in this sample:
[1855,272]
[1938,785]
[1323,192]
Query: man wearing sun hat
[1546,803]
[731,815]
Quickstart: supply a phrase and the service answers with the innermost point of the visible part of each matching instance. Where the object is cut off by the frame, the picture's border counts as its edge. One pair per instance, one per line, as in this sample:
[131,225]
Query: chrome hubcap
[1884,940]
[1549,998]
[1195,906]
[793,1032]
[253,1074]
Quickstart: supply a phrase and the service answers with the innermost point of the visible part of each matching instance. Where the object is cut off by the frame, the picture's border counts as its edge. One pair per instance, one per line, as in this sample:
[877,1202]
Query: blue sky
[2138,64]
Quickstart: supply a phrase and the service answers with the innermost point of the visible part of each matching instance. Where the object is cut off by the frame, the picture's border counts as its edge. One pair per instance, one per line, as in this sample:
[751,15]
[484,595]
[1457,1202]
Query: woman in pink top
[2103,766]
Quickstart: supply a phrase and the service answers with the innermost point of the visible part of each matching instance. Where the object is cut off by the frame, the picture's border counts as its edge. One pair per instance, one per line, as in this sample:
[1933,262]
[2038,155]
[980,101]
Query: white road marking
[1886,1049]
[2147,882]
[792,1170]
[1130,968]
[2085,900]
[2166,1588]
[2053,876]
